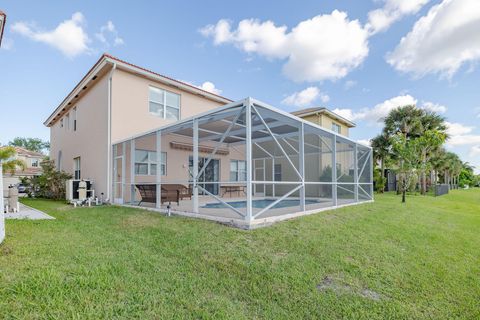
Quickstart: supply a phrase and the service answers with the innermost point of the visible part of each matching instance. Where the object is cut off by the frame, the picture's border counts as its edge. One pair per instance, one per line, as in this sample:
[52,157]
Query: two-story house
[32,168]
[117,101]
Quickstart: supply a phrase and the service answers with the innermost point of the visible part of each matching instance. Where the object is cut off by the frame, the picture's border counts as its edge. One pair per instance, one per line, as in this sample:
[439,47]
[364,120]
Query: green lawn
[379,260]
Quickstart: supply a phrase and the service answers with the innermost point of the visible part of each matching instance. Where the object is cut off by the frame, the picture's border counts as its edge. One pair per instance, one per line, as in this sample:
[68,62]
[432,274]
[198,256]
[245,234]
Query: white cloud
[442,41]
[350,84]
[210,87]
[466,139]
[365,142]
[69,36]
[434,107]
[324,97]
[108,34]
[381,19]
[474,151]
[456,129]
[461,135]
[379,111]
[376,114]
[311,53]
[305,97]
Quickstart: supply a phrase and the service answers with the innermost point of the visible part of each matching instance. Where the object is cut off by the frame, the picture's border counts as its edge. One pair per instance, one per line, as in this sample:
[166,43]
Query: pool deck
[230,217]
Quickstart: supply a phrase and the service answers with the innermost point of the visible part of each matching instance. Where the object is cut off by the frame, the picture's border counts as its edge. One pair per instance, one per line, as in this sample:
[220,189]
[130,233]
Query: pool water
[260,204]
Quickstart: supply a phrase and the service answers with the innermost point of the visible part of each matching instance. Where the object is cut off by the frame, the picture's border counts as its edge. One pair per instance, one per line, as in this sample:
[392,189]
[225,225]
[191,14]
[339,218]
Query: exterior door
[259,175]
[118,179]
[210,174]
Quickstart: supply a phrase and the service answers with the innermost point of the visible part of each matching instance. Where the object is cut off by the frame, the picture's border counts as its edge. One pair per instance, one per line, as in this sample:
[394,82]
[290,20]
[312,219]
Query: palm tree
[406,119]
[381,151]
[430,141]
[8,164]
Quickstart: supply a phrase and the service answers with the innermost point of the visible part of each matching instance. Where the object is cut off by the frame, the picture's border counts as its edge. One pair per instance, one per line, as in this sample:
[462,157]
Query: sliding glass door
[210,174]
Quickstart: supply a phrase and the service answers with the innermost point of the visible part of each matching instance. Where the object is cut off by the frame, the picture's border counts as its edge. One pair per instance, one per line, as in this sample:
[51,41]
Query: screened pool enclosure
[246,163]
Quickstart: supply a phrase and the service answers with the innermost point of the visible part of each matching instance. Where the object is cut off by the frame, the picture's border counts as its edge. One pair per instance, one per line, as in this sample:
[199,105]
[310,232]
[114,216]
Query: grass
[374,261]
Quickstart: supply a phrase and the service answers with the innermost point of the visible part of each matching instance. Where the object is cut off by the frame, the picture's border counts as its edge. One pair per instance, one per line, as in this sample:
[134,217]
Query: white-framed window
[164,104]
[336,128]
[146,163]
[74,118]
[67,121]
[77,168]
[238,170]
[277,172]
[35,163]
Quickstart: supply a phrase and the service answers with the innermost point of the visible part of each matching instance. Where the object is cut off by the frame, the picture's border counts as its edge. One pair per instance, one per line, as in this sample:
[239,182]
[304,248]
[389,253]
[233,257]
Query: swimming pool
[259,204]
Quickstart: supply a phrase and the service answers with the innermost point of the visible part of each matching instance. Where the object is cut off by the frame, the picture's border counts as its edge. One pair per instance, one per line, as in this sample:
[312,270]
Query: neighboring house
[327,119]
[113,101]
[3,20]
[32,167]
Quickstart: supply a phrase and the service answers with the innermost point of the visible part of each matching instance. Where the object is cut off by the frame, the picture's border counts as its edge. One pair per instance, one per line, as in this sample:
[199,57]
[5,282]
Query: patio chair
[183,191]
[148,193]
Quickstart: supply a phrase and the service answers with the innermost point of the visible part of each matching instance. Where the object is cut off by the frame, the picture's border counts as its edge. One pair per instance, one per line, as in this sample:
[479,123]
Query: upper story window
[35,163]
[336,128]
[164,104]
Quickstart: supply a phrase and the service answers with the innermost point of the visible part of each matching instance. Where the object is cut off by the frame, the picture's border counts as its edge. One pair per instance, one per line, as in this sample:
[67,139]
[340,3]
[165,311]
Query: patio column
[371,172]
[301,161]
[248,146]
[158,177]
[195,166]
[334,170]
[132,171]
[355,172]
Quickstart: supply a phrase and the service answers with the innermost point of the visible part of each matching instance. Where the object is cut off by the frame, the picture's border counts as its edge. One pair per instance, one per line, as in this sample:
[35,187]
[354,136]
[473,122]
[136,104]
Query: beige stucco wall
[129,116]
[130,111]
[326,122]
[89,141]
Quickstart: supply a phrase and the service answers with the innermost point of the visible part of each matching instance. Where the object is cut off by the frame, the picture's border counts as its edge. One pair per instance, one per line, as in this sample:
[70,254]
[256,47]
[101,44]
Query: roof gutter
[76,91]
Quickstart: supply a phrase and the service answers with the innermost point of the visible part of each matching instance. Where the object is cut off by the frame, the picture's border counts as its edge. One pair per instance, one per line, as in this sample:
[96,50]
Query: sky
[358,58]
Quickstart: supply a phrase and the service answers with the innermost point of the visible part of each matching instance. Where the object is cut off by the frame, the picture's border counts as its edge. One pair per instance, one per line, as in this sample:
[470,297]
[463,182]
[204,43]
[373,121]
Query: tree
[413,123]
[50,184]
[32,144]
[381,153]
[428,142]
[408,160]
[406,119]
[8,161]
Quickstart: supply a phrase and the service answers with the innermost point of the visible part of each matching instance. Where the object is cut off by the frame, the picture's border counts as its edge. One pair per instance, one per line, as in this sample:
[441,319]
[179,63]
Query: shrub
[50,184]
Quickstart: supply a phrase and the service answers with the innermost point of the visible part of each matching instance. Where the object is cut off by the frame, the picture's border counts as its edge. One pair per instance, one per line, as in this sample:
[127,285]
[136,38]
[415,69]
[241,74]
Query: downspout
[109,136]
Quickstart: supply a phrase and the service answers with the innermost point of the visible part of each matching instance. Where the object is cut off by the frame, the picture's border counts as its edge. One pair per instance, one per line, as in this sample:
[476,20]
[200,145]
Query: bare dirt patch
[331,284]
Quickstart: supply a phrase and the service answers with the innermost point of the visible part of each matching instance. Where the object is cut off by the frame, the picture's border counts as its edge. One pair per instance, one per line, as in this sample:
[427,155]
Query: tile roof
[24,152]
